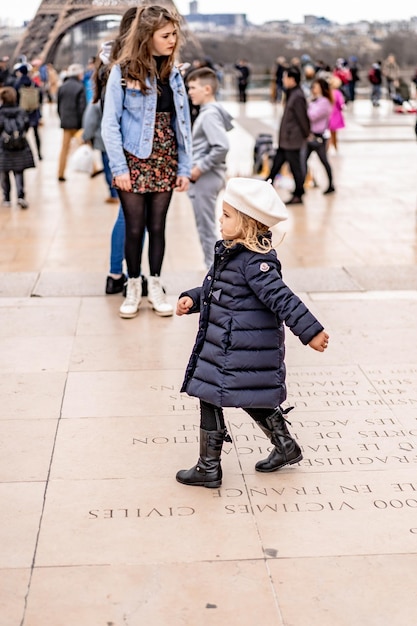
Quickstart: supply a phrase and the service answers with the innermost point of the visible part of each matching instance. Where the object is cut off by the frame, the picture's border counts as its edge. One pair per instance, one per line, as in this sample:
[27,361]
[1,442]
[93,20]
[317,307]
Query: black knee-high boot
[208,471]
[286,451]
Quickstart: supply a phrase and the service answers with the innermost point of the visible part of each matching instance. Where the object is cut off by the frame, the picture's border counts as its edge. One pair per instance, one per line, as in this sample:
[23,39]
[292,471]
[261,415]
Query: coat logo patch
[264,267]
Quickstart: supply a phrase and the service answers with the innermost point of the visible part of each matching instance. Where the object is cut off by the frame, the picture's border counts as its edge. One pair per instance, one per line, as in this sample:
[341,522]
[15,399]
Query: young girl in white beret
[238,355]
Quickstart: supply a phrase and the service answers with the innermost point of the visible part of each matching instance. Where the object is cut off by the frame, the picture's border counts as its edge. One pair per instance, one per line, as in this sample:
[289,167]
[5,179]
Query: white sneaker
[22,203]
[157,297]
[130,306]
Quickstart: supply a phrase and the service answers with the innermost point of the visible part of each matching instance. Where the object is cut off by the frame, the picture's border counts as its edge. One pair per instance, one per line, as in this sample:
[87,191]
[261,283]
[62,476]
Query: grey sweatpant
[203,195]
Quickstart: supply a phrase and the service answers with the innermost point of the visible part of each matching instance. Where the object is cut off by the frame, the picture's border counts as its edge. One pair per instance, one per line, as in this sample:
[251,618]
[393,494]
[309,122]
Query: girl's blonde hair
[135,57]
[251,234]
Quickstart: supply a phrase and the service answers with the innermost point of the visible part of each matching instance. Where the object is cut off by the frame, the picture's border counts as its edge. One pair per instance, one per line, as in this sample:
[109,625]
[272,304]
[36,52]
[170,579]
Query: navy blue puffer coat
[238,355]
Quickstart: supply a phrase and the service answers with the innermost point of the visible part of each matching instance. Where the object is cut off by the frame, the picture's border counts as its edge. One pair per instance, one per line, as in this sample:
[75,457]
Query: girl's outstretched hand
[184,304]
[320,341]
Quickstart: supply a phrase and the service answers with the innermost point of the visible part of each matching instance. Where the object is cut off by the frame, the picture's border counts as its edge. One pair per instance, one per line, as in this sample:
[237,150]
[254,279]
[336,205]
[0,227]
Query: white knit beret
[255,198]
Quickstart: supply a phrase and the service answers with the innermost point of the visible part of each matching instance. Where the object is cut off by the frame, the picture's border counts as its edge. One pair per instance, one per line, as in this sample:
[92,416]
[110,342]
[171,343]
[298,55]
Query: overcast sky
[259,11]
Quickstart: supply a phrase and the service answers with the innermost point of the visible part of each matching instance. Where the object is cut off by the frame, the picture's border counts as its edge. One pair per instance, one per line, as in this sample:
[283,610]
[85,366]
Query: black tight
[145,211]
[37,139]
[211,416]
[319,146]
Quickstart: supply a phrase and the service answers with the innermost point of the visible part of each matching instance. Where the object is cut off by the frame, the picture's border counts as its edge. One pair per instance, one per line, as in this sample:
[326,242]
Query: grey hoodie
[210,142]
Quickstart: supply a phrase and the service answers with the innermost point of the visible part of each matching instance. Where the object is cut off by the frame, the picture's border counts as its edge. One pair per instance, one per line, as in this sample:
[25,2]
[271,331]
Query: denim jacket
[129,120]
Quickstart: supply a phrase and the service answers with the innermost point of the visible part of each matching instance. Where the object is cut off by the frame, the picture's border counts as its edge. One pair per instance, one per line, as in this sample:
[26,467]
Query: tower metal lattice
[54,18]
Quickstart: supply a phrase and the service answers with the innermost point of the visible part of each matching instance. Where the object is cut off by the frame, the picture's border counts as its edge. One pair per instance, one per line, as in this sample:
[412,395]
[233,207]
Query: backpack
[373,78]
[13,138]
[29,98]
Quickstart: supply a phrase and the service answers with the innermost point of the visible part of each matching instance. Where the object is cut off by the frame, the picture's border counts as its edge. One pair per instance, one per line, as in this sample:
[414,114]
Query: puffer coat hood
[238,356]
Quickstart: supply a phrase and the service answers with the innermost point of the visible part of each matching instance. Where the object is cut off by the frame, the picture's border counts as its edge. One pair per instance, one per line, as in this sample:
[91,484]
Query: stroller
[263,154]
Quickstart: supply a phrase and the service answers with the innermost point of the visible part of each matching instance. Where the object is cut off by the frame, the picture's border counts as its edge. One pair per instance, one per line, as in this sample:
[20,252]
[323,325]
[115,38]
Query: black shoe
[330,189]
[61,179]
[144,286]
[115,285]
[295,200]
[286,451]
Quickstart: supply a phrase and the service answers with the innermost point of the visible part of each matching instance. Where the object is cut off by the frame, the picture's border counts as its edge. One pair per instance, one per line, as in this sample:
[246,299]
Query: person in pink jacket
[319,111]
[337,120]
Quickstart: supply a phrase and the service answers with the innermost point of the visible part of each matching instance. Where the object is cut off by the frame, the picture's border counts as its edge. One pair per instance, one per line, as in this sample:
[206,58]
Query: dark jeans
[6,185]
[293,158]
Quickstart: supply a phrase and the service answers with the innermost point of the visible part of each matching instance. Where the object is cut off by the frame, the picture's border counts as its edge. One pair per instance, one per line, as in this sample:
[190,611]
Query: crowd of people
[380,75]
[189,145]
[159,126]
[133,103]
[315,98]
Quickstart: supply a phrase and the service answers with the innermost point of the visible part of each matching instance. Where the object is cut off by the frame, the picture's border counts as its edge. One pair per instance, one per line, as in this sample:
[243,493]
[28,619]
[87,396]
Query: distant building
[313,20]
[214,21]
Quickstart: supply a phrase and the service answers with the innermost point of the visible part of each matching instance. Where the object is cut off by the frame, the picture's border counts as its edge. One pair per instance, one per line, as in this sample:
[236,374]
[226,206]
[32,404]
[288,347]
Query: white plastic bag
[82,159]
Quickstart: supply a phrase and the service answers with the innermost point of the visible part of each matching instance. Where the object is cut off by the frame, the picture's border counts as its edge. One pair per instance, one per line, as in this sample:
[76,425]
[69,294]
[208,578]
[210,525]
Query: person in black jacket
[16,155]
[238,355]
[23,80]
[243,75]
[293,132]
[71,103]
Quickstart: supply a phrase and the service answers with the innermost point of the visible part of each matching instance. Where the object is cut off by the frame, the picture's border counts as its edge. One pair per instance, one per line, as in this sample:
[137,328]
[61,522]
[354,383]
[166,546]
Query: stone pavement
[94,528]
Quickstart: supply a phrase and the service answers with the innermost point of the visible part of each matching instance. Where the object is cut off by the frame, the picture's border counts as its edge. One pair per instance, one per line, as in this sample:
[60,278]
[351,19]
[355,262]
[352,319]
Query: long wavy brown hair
[135,57]
[102,71]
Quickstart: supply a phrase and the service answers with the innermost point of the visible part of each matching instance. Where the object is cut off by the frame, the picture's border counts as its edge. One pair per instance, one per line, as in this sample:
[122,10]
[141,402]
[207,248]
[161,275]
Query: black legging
[145,210]
[37,139]
[319,146]
[212,418]
[293,158]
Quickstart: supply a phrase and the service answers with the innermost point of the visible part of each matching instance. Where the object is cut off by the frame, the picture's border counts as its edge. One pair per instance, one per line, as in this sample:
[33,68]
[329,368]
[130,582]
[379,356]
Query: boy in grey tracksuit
[210,147]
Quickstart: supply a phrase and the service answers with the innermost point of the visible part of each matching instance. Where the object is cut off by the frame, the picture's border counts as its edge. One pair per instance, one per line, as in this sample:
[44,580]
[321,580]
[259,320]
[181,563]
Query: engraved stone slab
[134,447]
[338,442]
[315,514]
[340,387]
[152,520]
